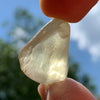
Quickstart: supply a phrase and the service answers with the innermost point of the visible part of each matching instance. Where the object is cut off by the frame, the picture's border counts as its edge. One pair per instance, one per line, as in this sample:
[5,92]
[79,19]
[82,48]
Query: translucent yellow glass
[45,58]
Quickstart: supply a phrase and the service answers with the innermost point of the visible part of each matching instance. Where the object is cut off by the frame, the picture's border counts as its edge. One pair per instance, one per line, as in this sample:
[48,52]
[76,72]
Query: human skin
[68,10]
[68,89]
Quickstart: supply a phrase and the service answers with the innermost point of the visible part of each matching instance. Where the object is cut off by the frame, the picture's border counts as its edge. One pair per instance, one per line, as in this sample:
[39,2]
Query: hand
[68,89]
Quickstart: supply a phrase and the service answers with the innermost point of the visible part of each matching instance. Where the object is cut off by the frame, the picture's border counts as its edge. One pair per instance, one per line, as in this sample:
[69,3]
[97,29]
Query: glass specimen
[44,59]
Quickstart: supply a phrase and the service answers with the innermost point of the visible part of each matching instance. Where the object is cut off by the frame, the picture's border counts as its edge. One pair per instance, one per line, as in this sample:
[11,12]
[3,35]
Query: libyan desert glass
[45,58]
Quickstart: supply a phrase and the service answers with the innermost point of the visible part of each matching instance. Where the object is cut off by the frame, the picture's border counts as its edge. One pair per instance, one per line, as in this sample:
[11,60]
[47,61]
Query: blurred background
[19,22]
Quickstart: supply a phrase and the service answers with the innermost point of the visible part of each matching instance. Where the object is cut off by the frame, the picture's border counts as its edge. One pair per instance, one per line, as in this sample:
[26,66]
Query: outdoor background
[19,22]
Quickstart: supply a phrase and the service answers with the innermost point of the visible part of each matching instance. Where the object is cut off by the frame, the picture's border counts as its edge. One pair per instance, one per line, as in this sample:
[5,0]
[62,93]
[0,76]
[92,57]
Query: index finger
[68,10]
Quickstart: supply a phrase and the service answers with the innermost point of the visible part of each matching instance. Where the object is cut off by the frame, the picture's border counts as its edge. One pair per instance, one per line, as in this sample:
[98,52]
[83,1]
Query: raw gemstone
[45,58]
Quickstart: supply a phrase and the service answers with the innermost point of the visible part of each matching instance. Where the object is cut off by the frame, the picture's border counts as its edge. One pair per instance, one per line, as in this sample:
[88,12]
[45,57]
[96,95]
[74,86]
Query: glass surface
[45,58]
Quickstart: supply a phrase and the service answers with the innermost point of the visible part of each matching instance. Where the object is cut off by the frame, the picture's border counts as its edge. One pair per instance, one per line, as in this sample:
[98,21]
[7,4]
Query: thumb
[68,89]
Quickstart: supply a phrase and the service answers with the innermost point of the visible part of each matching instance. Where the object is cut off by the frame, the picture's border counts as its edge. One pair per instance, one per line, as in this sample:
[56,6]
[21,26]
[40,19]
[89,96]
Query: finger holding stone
[68,10]
[68,89]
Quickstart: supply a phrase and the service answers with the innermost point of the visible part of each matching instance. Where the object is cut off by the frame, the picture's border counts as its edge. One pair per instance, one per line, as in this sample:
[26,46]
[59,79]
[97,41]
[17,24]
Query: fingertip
[78,91]
[42,91]
[68,89]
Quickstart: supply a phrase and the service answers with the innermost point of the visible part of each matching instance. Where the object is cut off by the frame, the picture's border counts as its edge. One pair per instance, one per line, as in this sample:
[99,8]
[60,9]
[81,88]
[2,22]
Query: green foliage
[73,70]
[14,85]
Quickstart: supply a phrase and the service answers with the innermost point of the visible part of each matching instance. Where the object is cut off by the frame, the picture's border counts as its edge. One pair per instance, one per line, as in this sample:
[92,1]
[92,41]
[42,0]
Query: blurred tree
[14,85]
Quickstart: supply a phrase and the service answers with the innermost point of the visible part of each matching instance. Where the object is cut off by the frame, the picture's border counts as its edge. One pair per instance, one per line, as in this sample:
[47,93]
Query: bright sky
[85,35]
